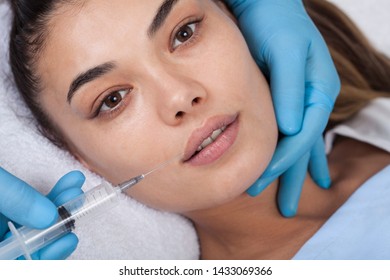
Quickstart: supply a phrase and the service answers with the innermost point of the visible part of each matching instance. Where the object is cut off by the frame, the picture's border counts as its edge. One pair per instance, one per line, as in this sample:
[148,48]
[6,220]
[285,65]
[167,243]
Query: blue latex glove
[304,83]
[24,205]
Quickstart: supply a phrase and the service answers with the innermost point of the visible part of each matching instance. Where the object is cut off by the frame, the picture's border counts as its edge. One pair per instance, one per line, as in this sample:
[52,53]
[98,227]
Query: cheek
[230,69]
[118,156]
[118,149]
[181,189]
[234,83]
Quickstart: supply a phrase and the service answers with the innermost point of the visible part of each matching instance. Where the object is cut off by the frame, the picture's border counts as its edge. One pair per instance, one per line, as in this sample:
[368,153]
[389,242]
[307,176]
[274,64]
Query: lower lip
[218,148]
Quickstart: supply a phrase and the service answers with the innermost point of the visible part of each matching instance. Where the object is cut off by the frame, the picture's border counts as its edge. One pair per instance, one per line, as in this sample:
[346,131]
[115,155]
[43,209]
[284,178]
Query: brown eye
[113,100]
[184,34]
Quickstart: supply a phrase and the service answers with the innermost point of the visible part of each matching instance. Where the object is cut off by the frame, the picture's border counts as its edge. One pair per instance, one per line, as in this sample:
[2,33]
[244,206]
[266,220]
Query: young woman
[182,84]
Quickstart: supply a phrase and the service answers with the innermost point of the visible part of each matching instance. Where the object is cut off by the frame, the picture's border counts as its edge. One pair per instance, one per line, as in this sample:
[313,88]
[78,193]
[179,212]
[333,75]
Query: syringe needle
[161,165]
[81,208]
[133,181]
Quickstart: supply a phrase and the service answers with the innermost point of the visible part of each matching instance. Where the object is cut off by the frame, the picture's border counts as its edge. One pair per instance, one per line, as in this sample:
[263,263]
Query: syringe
[98,200]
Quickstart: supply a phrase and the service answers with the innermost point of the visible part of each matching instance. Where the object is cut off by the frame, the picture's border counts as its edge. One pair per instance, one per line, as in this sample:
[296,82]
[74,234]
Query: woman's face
[132,83]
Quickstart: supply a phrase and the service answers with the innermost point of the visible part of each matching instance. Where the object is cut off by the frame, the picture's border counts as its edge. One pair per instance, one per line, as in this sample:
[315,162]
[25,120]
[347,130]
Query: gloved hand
[24,205]
[304,84]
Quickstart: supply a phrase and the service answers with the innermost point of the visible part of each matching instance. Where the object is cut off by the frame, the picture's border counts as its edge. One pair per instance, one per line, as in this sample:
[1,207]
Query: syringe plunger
[25,241]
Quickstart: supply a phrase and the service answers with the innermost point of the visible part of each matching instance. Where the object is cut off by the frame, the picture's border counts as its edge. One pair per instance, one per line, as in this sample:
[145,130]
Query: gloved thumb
[23,204]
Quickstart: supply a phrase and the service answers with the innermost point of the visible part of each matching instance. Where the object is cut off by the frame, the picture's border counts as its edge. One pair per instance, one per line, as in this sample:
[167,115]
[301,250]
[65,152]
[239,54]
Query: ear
[82,161]
[73,151]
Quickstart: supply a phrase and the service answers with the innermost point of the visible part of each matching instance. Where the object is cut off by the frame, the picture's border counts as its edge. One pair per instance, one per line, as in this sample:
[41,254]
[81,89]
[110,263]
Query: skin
[173,90]
[164,82]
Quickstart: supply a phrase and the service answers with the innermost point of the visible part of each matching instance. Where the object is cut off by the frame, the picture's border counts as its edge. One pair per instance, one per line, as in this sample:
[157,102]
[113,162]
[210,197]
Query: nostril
[179,115]
[196,100]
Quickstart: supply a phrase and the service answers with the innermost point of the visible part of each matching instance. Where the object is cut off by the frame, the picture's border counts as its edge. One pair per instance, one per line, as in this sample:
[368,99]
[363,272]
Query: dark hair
[28,33]
[364,72]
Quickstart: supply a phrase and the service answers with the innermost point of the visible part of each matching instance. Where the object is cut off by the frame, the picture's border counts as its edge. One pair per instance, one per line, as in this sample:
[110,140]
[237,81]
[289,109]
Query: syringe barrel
[76,211]
[91,204]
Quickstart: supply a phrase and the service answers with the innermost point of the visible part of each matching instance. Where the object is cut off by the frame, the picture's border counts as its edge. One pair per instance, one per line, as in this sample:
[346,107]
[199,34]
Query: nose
[179,97]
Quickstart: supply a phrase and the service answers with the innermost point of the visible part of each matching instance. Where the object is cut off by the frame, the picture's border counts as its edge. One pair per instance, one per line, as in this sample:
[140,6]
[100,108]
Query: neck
[249,228]
[252,228]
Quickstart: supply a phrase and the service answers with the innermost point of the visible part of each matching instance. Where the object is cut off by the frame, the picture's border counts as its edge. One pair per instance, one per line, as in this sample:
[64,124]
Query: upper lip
[202,133]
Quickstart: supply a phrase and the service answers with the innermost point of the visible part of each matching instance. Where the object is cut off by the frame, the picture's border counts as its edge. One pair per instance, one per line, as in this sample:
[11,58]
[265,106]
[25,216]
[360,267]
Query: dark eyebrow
[89,76]
[161,15]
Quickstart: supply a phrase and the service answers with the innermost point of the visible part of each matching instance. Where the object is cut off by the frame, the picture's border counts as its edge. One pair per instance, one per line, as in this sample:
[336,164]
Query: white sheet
[131,231]
[359,229]
[370,125]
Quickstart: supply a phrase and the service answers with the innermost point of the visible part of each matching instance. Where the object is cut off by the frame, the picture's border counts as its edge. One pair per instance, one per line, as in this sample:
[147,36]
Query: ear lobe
[81,160]
[85,164]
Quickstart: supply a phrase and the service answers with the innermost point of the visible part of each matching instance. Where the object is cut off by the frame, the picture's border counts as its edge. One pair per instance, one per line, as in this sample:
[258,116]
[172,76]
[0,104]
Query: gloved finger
[68,187]
[313,125]
[257,187]
[287,66]
[3,226]
[290,187]
[23,204]
[58,250]
[291,148]
[67,195]
[321,74]
[318,165]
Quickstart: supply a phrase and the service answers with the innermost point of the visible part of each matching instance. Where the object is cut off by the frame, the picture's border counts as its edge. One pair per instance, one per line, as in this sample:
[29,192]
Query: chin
[231,182]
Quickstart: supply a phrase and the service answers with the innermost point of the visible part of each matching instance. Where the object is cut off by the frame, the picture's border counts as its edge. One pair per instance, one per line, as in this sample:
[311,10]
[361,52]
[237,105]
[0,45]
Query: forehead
[94,23]
[93,32]
[81,33]
[102,13]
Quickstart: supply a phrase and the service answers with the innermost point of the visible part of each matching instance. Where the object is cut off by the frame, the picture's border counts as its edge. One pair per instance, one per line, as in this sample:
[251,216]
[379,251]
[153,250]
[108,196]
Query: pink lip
[216,149]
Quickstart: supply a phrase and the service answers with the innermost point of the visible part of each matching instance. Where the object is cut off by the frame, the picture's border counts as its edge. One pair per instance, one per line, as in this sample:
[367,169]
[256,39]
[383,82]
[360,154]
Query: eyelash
[111,112]
[195,36]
